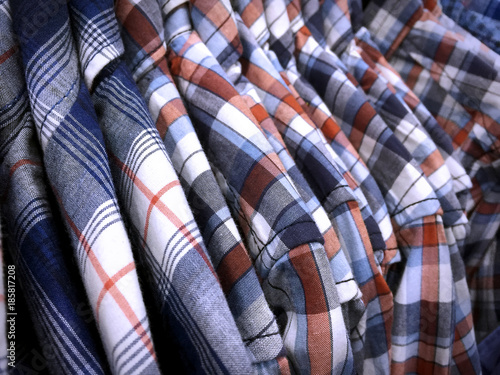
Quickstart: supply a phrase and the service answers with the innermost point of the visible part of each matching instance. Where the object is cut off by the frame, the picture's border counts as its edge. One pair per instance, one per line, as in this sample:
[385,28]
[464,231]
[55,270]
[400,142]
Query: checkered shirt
[45,269]
[371,54]
[282,237]
[228,253]
[281,37]
[77,167]
[190,297]
[381,94]
[318,163]
[460,86]
[414,137]
[317,64]
[349,294]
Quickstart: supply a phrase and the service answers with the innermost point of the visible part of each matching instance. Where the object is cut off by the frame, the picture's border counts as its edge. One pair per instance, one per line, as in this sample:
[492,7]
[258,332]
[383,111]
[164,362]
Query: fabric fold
[75,161]
[189,296]
[228,253]
[283,240]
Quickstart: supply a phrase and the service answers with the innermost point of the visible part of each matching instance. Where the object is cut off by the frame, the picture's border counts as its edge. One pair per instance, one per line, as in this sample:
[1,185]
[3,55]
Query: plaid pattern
[342,31]
[373,57]
[281,35]
[308,148]
[353,309]
[75,161]
[349,294]
[330,23]
[482,25]
[229,256]
[44,266]
[474,44]
[282,237]
[465,357]
[190,298]
[414,137]
[316,65]
[318,163]
[370,201]
[381,93]
[460,88]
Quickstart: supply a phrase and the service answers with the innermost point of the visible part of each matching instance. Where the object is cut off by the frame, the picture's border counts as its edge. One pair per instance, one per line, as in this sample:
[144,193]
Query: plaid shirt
[456,235]
[281,40]
[414,241]
[350,297]
[460,86]
[480,18]
[351,165]
[371,54]
[381,92]
[353,309]
[76,162]
[318,163]
[400,118]
[238,278]
[44,265]
[411,133]
[287,114]
[190,298]
[340,32]
[282,237]
[349,293]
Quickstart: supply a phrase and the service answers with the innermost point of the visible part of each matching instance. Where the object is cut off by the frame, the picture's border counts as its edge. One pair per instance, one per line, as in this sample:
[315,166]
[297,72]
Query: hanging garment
[190,299]
[75,161]
[461,89]
[145,54]
[254,186]
[308,147]
[286,244]
[43,260]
